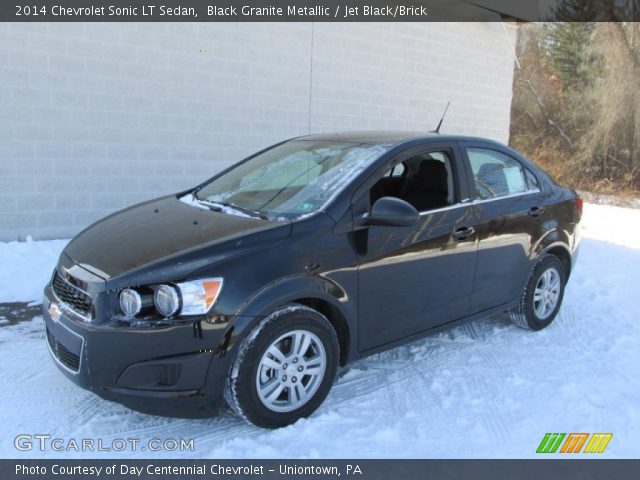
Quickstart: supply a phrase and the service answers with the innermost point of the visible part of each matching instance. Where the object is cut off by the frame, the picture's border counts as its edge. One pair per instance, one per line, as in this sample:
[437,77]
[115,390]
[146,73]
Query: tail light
[579,205]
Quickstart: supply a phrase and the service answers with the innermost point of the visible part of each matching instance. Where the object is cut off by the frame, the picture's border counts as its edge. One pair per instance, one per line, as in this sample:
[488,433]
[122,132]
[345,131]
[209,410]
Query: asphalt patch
[13,313]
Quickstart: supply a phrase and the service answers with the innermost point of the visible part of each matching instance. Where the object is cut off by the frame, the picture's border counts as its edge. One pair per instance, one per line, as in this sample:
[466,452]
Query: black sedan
[259,283]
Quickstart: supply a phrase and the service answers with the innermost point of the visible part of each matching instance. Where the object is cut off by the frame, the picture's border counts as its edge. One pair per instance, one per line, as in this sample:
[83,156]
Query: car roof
[391,137]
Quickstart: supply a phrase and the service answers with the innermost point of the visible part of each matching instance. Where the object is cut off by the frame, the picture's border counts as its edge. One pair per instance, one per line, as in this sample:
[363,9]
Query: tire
[540,302]
[272,386]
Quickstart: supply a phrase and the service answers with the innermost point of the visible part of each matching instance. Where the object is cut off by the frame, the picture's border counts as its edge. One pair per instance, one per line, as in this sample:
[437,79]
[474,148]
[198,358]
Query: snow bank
[26,267]
[620,226]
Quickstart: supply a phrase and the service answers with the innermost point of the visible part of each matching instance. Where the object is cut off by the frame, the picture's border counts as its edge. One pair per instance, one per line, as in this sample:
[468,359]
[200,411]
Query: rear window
[496,174]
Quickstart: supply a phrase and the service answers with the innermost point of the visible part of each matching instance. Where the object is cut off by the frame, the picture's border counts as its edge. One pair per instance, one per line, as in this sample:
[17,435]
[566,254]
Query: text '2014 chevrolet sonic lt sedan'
[257,284]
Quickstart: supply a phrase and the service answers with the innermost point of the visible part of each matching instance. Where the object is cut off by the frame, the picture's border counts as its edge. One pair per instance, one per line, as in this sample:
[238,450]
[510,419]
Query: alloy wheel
[291,371]
[547,293]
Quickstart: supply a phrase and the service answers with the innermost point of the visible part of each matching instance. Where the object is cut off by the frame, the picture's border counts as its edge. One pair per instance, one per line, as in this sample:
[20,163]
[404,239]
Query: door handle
[535,212]
[463,233]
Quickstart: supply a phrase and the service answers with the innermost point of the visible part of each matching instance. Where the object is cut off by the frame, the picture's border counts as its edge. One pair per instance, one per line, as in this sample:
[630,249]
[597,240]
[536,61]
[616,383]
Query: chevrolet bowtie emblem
[55,312]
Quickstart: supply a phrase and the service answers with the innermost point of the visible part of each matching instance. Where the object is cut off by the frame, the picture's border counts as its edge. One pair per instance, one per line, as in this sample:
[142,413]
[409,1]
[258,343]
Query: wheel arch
[562,253]
[316,292]
[555,242]
[337,320]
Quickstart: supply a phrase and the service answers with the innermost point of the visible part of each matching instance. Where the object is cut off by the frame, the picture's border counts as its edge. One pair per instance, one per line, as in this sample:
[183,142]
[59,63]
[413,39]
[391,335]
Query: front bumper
[177,370]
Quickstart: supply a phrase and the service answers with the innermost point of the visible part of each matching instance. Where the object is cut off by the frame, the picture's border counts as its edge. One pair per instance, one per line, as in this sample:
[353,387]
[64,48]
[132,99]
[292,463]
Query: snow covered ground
[25,267]
[487,389]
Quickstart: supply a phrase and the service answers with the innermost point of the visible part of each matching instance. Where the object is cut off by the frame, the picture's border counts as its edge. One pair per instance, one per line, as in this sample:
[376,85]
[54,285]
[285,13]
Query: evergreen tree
[566,41]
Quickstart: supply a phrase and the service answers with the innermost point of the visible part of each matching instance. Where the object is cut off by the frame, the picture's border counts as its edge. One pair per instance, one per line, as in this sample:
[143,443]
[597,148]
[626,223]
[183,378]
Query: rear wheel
[285,368]
[542,296]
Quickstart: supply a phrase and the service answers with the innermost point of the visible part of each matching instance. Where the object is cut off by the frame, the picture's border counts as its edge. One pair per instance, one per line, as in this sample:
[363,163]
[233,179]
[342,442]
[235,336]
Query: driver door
[412,279]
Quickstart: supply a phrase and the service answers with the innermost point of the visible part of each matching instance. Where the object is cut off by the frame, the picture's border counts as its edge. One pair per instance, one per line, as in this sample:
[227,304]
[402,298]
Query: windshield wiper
[246,211]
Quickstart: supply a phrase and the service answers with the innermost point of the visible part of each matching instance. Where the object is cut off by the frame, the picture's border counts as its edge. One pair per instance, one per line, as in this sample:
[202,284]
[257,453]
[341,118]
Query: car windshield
[292,179]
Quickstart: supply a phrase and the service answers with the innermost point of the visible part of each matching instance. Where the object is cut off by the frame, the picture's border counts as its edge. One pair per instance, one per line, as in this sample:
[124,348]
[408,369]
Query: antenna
[437,130]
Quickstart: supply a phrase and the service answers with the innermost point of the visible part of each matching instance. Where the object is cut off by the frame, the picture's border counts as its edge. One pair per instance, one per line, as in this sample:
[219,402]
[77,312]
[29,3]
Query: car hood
[166,235]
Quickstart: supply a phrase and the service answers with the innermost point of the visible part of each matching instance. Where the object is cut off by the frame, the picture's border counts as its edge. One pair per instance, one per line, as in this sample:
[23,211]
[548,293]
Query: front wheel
[542,295]
[285,368]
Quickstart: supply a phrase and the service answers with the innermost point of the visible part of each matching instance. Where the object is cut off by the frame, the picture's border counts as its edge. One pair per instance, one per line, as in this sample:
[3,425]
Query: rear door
[508,205]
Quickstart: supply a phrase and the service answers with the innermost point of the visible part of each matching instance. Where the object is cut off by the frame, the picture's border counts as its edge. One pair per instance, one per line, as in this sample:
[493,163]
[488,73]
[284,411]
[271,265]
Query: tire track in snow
[378,376]
[493,418]
[375,372]
[88,407]
[374,376]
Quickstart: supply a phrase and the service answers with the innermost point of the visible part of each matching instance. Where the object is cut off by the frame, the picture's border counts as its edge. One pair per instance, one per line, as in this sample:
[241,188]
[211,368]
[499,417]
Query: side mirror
[391,212]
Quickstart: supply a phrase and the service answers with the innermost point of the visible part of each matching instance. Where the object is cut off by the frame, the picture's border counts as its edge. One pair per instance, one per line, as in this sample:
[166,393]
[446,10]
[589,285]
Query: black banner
[586,469]
[316,10]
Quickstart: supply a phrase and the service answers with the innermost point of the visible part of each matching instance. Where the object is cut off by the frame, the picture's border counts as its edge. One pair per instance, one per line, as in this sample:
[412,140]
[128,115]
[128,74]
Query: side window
[396,171]
[496,174]
[424,180]
[532,181]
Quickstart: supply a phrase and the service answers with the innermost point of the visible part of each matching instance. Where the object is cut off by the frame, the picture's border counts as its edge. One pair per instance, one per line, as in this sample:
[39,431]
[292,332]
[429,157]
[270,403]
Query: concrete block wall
[96,117]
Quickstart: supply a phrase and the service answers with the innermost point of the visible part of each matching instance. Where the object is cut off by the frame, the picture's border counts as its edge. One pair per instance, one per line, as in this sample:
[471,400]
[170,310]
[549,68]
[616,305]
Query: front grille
[63,354]
[71,296]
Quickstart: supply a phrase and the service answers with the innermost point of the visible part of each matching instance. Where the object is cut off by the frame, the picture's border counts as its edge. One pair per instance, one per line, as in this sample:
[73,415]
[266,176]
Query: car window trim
[467,201]
[464,203]
[509,195]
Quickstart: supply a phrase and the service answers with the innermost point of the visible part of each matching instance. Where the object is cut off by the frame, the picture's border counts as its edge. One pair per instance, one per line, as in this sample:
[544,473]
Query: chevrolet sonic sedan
[256,285]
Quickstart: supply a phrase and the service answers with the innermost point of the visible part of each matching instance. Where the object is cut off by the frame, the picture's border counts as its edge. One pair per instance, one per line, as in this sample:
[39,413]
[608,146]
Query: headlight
[196,297]
[166,300]
[130,302]
[199,296]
